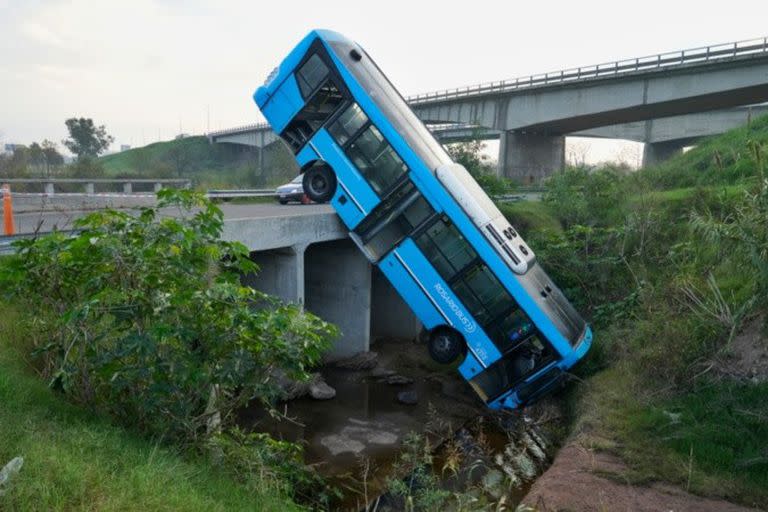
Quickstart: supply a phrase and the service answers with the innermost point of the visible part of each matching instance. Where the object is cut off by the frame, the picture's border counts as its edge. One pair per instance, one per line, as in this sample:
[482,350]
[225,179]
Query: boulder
[320,390]
[359,361]
[397,380]
[408,397]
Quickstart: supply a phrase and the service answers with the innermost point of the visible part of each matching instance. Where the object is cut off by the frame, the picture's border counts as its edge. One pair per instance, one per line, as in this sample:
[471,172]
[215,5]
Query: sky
[150,69]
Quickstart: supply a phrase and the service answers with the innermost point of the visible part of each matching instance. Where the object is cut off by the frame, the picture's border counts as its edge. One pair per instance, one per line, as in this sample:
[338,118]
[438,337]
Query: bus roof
[289,63]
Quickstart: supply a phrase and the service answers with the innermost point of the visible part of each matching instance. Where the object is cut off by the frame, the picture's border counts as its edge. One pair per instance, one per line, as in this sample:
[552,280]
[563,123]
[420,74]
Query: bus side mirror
[355,55]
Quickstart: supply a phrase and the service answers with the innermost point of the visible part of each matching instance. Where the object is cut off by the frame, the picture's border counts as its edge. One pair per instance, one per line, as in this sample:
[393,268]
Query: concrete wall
[390,315]
[337,284]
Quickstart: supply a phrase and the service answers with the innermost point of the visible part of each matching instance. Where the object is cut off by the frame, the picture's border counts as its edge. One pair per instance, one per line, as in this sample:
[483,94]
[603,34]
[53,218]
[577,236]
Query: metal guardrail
[243,192]
[648,63]
[89,184]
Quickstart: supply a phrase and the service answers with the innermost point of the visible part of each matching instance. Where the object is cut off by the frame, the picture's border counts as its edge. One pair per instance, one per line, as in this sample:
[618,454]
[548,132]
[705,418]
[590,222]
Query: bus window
[376,160]
[314,114]
[404,210]
[348,124]
[480,291]
[445,248]
[311,74]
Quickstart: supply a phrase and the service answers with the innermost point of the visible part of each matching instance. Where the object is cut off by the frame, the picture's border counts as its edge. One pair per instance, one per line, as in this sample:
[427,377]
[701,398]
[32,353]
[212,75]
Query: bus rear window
[314,114]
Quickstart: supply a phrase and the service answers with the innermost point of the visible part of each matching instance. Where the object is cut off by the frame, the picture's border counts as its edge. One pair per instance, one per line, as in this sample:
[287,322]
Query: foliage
[471,156]
[724,159]
[581,196]
[146,318]
[75,460]
[259,461]
[420,489]
[86,140]
[745,229]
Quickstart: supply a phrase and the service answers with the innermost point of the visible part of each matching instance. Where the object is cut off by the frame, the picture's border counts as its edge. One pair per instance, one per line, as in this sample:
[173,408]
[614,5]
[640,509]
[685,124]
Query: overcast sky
[149,69]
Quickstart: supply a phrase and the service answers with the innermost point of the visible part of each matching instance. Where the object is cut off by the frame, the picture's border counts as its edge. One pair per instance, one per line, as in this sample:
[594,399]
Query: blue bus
[422,219]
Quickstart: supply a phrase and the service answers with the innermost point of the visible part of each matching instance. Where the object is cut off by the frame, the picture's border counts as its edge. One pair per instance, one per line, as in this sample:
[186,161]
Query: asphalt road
[49,220]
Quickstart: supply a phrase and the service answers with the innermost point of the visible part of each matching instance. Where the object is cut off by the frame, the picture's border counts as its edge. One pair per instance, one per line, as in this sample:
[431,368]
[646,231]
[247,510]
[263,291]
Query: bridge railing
[647,63]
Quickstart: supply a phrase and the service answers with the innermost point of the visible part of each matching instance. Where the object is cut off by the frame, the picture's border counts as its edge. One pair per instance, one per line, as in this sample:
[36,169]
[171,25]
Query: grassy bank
[668,265]
[74,460]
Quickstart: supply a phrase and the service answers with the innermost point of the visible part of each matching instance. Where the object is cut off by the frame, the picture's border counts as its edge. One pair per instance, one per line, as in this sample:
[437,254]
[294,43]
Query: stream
[354,440]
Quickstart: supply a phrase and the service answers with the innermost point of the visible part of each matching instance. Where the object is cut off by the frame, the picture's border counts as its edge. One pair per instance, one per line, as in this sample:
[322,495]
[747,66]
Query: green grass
[710,441]
[75,460]
[208,165]
[528,216]
[721,159]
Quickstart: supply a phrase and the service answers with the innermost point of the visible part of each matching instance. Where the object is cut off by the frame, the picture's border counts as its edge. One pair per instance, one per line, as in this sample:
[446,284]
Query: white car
[292,191]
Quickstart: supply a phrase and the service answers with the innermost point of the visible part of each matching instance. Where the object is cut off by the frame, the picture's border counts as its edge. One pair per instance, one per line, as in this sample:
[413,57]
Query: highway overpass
[666,101]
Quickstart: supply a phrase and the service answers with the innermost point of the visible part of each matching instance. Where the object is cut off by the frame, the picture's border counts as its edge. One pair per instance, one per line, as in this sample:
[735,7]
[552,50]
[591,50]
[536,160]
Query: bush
[143,316]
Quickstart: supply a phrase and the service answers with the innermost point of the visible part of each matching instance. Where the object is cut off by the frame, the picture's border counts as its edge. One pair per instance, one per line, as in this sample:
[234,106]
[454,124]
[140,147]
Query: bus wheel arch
[319,181]
[445,344]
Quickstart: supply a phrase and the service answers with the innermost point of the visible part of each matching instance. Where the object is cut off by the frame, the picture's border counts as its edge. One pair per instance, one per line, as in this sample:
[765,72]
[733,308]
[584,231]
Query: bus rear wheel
[445,345]
[319,183]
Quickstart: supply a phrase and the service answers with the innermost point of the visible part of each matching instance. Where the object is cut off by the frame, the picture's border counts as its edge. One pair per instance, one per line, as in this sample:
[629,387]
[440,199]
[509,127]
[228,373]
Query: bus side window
[376,160]
[311,74]
[348,124]
[445,248]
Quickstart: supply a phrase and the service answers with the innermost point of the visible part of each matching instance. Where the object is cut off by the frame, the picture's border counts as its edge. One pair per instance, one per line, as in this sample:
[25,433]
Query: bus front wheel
[319,183]
[445,345]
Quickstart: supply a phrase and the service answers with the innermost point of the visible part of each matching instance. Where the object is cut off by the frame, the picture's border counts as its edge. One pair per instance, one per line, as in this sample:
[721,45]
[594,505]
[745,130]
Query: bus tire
[445,345]
[319,183]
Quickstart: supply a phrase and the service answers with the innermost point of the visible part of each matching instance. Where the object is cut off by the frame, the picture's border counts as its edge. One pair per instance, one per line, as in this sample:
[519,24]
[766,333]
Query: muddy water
[358,434]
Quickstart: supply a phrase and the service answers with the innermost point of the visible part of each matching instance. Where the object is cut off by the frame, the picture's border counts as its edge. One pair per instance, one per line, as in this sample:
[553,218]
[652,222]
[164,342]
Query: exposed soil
[574,483]
[746,358]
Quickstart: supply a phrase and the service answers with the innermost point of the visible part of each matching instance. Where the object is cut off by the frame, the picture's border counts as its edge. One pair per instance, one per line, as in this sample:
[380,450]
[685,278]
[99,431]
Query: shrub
[143,316]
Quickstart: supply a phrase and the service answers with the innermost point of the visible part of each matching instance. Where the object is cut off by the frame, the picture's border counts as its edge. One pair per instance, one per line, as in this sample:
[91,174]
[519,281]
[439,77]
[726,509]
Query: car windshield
[297,179]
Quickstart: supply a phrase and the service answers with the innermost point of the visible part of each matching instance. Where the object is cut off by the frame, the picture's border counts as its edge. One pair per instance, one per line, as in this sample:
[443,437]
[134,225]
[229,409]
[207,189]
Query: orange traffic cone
[8,210]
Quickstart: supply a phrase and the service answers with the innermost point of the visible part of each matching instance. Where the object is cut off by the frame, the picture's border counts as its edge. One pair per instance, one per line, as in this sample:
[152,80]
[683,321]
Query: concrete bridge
[306,257]
[531,116]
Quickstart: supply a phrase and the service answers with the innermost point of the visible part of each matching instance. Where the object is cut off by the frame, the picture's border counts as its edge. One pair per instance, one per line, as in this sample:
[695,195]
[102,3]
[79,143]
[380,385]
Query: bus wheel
[445,345]
[319,183]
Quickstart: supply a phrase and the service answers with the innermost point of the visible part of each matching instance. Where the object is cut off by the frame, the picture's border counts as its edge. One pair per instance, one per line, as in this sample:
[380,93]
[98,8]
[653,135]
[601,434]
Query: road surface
[49,220]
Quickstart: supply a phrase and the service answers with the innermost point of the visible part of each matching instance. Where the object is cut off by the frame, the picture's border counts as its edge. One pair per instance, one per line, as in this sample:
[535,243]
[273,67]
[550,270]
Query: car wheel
[282,201]
[445,345]
[319,183]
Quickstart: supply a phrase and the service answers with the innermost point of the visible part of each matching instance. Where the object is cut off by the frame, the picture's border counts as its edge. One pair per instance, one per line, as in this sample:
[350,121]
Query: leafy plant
[144,317]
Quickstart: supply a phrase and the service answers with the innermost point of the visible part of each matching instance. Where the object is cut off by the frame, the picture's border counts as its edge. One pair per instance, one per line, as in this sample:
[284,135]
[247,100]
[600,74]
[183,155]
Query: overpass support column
[390,315]
[529,157]
[338,289]
[281,273]
[656,152]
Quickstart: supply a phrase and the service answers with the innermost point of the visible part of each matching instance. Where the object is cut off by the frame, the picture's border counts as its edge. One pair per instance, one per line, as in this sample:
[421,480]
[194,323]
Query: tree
[180,156]
[53,158]
[86,140]
[36,156]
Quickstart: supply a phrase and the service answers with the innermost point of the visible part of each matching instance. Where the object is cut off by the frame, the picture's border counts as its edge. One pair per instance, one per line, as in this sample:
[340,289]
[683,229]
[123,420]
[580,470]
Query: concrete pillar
[89,189]
[127,187]
[390,315]
[338,290]
[656,152]
[529,157]
[158,187]
[281,273]
[49,188]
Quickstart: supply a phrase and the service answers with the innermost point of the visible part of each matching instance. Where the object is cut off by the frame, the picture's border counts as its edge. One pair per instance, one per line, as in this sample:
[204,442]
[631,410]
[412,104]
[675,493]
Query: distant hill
[207,165]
